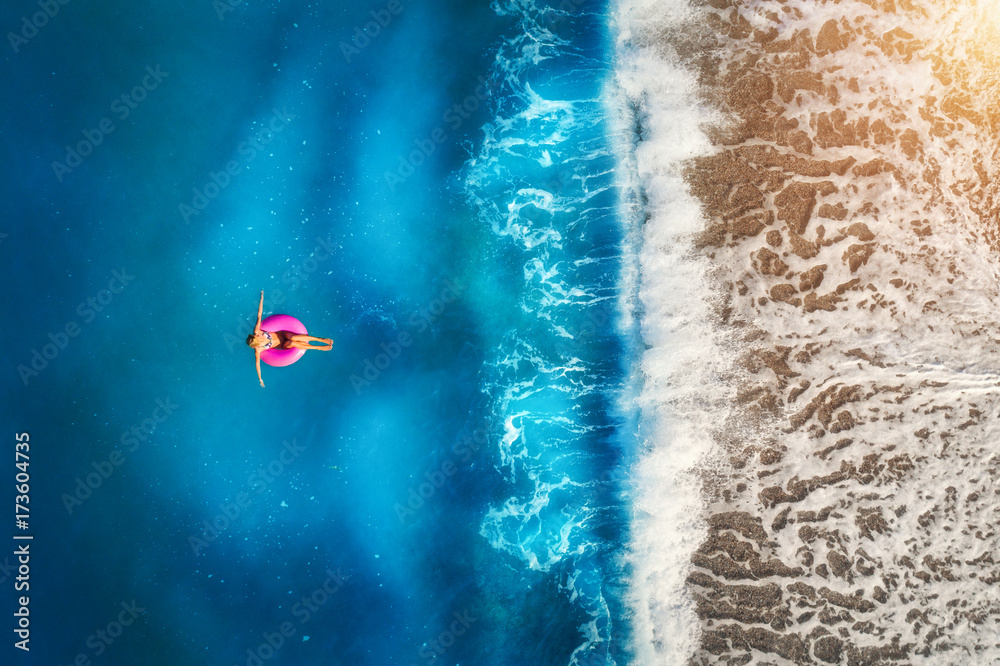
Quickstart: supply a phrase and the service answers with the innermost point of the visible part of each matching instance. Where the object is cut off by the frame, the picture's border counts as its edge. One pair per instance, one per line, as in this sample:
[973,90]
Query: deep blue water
[437,196]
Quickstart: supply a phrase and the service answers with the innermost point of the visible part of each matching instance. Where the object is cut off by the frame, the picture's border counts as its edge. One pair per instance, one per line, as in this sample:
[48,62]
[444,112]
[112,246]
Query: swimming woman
[260,340]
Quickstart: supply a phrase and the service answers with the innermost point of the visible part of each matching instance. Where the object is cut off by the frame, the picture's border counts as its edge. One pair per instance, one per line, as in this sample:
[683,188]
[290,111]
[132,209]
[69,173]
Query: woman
[260,340]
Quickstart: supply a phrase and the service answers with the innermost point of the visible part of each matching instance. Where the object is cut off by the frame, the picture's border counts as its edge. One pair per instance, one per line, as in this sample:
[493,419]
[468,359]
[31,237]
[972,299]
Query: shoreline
[846,264]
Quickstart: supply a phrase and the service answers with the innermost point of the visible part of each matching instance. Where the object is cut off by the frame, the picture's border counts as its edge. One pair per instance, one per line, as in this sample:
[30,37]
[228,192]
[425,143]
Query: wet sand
[851,223]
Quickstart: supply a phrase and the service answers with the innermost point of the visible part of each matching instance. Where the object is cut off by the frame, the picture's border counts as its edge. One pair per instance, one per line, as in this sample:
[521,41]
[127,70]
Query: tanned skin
[259,340]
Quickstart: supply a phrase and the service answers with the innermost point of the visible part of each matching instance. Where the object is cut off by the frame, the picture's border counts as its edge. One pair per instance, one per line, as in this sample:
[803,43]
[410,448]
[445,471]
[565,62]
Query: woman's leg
[300,341]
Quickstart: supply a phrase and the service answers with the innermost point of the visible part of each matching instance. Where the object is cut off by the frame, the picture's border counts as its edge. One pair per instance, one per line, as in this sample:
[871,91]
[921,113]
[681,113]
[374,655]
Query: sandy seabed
[850,222]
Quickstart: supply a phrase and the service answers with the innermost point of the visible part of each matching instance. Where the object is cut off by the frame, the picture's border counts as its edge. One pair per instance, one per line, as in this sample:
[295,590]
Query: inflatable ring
[282,357]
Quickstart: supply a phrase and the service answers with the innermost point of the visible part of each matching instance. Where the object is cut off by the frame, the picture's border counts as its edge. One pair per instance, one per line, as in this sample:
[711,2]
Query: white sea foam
[929,323]
[541,183]
[681,399]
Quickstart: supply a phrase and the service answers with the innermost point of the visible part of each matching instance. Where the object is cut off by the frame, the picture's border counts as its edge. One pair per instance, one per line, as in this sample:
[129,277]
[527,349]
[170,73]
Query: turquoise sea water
[437,195]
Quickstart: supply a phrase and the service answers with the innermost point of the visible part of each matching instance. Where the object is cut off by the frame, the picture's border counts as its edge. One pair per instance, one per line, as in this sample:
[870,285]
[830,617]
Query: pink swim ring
[282,357]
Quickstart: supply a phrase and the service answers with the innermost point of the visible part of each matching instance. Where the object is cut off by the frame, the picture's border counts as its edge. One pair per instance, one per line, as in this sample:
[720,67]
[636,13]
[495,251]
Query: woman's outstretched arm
[260,313]
[256,352]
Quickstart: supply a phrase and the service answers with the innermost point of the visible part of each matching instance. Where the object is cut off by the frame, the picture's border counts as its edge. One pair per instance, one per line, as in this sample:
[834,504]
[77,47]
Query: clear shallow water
[445,486]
